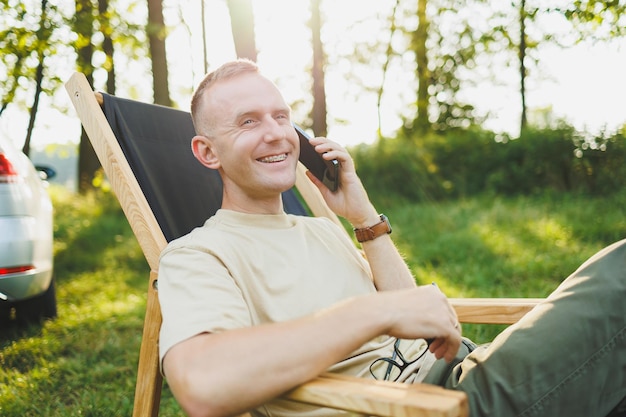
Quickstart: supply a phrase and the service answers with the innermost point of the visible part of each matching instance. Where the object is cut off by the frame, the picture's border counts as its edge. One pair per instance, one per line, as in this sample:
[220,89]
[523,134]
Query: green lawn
[84,362]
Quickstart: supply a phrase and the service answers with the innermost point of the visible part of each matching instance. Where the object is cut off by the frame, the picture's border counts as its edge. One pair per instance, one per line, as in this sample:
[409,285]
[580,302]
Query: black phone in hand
[326,171]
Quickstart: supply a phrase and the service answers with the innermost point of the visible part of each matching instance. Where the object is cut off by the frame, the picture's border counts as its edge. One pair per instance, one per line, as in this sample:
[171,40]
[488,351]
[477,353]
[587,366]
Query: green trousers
[566,357]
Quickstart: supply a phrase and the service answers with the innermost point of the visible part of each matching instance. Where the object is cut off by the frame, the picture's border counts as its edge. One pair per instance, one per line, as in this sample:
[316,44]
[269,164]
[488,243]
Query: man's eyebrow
[248,113]
[245,113]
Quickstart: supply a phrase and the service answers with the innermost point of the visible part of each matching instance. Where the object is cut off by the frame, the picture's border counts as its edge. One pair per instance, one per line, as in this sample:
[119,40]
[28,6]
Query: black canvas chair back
[156,141]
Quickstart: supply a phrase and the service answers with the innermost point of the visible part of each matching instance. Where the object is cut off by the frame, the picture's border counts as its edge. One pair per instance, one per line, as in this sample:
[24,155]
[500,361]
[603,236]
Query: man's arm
[389,269]
[230,372]
[351,201]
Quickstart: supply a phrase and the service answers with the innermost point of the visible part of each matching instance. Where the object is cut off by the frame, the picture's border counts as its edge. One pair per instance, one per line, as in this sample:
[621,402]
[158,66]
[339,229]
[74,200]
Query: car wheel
[37,308]
[5,313]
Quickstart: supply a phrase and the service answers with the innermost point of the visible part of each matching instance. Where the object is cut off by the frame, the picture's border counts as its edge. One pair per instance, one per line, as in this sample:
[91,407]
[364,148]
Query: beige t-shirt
[241,270]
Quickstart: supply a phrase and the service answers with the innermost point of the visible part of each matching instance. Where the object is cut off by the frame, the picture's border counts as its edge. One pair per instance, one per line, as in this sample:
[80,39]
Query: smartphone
[325,171]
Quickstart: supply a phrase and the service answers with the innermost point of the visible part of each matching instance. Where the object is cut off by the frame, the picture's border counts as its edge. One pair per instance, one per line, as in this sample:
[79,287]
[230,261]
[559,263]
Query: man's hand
[350,200]
[423,312]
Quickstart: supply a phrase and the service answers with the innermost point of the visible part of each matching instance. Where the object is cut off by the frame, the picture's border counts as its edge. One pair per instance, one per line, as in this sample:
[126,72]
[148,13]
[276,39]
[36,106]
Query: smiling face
[247,135]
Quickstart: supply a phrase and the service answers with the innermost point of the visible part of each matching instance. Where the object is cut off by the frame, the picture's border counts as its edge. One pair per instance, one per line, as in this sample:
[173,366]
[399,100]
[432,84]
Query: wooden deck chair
[152,179]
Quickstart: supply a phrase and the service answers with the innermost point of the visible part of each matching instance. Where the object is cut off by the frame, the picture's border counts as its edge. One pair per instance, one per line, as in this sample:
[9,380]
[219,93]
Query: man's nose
[273,130]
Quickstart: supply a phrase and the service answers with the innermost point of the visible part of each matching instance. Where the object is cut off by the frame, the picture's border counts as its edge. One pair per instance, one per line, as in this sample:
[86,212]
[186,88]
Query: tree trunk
[422,123]
[205,52]
[88,163]
[33,109]
[242,24]
[38,79]
[320,127]
[388,54]
[107,44]
[156,36]
[522,66]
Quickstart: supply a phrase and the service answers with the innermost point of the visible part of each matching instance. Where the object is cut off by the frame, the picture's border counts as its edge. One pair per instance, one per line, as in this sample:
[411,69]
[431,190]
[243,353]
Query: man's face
[252,136]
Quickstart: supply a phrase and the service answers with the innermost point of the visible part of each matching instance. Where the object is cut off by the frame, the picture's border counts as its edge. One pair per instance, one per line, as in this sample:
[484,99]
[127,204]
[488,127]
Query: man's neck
[254,206]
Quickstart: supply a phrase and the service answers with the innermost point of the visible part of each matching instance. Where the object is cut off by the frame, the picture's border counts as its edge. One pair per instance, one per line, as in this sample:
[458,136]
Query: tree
[104,20]
[100,17]
[42,35]
[320,127]
[84,18]
[419,39]
[205,59]
[524,16]
[522,57]
[590,19]
[388,55]
[156,35]
[597,19]
[445,43]
[26,46]
[242,27]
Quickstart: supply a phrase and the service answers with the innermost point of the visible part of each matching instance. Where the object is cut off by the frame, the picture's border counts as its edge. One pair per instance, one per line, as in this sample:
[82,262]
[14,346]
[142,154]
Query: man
[256,302]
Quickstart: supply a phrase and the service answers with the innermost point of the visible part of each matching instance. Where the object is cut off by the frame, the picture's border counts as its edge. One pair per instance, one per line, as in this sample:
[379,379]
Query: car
[27,291]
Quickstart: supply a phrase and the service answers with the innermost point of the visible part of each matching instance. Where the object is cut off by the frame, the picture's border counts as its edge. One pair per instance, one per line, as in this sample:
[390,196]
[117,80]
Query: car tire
[5,313]
[37,308]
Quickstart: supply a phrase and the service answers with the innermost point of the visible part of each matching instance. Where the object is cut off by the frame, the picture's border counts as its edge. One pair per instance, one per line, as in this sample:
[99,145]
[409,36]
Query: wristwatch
[372,232]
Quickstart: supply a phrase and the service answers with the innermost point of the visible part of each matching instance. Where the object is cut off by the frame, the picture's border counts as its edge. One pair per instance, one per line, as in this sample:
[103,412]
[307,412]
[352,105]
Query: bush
[391,168]
[462,163]
[540,159]
[601,169]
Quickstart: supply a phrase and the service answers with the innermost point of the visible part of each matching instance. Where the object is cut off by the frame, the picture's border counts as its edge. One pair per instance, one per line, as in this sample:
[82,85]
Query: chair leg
[149,378]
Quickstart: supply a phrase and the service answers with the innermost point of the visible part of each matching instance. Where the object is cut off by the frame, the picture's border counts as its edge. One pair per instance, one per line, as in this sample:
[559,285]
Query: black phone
[325,171]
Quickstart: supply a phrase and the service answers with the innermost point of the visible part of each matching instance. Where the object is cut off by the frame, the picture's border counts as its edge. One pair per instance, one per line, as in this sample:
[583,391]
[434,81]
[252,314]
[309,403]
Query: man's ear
[202,148]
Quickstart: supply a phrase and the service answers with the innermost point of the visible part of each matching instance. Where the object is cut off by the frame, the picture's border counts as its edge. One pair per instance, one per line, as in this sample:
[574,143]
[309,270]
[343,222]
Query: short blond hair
[224,72]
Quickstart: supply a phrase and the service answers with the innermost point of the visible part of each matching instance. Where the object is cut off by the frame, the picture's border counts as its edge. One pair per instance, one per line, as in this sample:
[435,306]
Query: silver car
[27,291]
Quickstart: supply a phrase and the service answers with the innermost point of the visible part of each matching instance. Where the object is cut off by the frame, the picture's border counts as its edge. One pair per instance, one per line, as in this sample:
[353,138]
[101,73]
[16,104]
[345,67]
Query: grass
[495,247]
[84,362]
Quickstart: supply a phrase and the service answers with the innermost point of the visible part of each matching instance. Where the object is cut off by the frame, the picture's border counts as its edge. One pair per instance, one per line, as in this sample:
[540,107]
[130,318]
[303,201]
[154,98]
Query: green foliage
[601,162]
[28,34]
[391,168]
[597,19]
[538,160]
[466,162]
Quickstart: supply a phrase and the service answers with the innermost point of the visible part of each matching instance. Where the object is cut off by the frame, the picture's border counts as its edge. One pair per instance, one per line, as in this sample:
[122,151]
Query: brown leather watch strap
[372,232]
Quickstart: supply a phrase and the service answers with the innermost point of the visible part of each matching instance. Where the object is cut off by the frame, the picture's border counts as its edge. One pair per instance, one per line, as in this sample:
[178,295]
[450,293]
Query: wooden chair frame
[328,390]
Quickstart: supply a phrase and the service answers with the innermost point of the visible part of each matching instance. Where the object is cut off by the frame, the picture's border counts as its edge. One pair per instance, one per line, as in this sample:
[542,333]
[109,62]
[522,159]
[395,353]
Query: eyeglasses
[396,364]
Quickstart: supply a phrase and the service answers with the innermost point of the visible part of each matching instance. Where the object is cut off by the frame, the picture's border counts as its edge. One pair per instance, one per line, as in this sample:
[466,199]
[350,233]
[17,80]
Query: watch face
[386,220]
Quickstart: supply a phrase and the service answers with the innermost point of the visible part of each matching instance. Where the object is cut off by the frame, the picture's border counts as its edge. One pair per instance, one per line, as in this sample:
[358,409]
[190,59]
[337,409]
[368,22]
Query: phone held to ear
[326,171]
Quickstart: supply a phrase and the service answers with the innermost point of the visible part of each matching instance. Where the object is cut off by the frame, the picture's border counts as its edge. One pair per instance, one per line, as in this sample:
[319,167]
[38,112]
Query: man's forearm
[389,269]
[231,372]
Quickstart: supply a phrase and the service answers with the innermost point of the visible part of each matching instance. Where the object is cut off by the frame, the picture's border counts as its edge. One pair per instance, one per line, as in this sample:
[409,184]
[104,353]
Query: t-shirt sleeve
[197,295]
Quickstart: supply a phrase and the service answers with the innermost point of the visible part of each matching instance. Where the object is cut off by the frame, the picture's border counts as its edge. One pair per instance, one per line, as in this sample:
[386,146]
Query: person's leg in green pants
[567,357]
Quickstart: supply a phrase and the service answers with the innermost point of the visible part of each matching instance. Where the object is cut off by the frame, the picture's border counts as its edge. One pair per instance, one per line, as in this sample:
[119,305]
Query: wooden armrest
[380,398]
[492,310]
